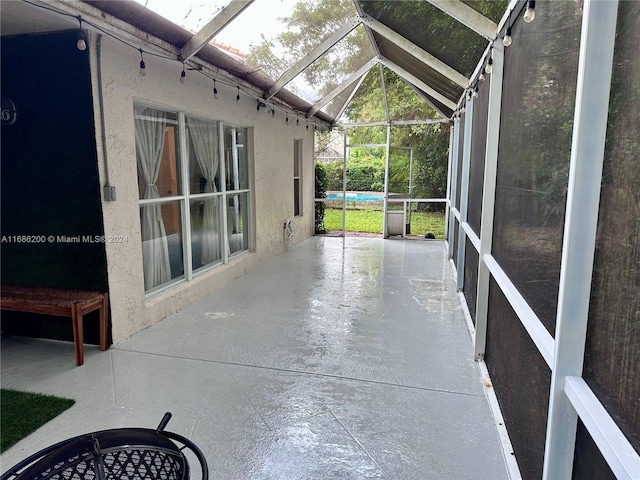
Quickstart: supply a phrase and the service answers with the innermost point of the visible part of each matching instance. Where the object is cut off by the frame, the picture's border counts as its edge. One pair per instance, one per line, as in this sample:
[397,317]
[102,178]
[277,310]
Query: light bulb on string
[507,40]
[482,77]
[238,95]
[530,12]
[475,92]
[489,67]
[81,43]
[143,69]
[215,89]
[183,75]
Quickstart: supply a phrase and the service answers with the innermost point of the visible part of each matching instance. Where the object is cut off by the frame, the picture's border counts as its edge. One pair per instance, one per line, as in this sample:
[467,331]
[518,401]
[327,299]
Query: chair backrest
[118,454]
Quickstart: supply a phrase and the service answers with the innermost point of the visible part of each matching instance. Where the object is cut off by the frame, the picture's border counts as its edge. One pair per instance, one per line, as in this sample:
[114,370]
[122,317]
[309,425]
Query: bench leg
[78,334]
[104,322]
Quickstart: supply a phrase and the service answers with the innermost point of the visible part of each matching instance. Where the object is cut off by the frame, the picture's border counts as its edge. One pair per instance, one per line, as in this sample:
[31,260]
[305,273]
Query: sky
[260,17]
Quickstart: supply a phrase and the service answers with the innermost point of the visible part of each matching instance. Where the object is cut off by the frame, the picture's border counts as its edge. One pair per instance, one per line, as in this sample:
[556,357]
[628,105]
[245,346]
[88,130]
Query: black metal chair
[118,454]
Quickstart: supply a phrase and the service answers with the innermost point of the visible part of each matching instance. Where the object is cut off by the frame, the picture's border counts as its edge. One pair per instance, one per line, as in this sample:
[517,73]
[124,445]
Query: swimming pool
[357,196]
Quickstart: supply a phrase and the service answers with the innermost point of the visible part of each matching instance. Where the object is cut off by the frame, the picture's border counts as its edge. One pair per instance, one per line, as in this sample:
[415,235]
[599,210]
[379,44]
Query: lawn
[371,221]
[23,413]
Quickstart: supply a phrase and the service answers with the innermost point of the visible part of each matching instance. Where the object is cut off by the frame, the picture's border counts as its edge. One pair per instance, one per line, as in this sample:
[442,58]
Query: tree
[312,21]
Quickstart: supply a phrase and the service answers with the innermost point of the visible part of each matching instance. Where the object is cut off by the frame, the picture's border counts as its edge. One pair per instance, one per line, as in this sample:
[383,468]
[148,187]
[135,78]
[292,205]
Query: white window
[191,219]
[297,177]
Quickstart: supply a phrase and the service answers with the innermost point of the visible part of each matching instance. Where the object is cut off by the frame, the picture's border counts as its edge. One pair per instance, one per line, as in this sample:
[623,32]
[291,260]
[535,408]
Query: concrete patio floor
[341,358]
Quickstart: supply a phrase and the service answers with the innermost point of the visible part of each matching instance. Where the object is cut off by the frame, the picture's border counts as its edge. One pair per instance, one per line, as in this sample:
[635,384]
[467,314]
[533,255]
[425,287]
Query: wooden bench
[66,303]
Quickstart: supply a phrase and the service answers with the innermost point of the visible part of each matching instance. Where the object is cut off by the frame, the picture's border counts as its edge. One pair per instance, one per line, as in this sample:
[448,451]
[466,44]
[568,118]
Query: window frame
[185,197]
[297,179]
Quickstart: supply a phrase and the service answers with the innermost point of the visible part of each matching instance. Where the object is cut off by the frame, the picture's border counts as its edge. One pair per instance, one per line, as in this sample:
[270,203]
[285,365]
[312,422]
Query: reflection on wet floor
[341,358]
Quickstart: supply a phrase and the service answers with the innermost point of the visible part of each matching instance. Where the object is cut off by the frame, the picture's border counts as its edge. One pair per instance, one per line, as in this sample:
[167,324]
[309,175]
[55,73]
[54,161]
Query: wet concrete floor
[341,358]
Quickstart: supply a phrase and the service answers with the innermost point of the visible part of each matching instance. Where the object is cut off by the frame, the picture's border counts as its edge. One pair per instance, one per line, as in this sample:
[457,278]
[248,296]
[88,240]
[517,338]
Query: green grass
[23,413]
[371,221]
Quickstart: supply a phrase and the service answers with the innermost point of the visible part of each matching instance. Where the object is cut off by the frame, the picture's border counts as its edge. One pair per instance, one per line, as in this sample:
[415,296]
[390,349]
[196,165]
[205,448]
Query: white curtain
[204,136]
[149,131]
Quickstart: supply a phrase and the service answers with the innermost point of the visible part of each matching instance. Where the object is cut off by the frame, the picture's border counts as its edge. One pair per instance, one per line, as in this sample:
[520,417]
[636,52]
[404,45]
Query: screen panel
[538,101]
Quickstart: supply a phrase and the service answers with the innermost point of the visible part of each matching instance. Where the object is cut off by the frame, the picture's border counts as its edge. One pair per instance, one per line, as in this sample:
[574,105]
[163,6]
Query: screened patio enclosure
[540,99]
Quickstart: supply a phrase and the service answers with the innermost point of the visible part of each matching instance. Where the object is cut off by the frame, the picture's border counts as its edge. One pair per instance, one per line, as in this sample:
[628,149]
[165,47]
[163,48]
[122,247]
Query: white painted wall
[272,166]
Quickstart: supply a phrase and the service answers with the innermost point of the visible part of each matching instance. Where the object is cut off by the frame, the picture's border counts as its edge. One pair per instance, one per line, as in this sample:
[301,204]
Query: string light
[507,40]
[143,70]
[482,77]
[489,67]
[530,12]
[475,92]
[81,44]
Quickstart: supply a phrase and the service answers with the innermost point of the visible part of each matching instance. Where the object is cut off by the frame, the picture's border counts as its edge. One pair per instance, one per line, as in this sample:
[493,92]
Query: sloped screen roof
[313,54]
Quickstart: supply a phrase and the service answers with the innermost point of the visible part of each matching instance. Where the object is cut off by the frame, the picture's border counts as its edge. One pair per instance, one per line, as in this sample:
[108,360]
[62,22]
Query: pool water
[358,196]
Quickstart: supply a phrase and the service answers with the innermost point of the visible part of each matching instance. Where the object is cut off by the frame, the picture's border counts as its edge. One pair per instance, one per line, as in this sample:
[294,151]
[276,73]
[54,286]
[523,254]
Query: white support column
[344,184]
[464,191]
[385,233]
[488,197]
[581,219]
[454,182]
[447,210]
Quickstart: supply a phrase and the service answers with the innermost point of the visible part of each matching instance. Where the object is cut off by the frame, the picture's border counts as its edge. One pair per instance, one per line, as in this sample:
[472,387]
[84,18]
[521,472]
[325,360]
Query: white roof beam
[372,40]
[353,94]
[211,29]
[418,83]
[307,60]
[468,16]
[423,96]
[342,87]
[428,121]
[416,51]
[383,85]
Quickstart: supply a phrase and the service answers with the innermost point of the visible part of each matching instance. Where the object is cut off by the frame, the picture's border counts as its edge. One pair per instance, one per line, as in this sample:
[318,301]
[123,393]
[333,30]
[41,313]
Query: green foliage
[312,21]
[23,413]
[321,192]
[365,173]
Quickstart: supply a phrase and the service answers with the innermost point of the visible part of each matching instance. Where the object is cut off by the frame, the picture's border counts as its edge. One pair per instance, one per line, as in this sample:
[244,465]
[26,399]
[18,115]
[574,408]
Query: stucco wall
[271,162]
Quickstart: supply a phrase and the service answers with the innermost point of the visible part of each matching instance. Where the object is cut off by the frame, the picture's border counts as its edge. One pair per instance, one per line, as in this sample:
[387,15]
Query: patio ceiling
[411,38]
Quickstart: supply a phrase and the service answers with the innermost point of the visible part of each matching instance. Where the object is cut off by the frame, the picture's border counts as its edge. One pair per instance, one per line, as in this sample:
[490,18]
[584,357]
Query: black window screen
[521,379]
[534,151]
[478,147]
[470,278]
[459,161]
[612,357]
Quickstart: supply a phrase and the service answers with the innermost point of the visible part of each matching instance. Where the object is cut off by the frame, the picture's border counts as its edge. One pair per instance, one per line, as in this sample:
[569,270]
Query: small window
[297,178]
